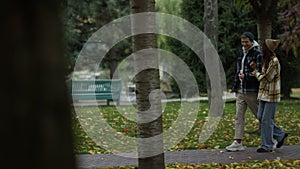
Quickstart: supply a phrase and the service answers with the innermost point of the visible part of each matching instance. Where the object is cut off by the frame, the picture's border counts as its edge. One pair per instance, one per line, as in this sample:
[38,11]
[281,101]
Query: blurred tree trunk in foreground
[36,118]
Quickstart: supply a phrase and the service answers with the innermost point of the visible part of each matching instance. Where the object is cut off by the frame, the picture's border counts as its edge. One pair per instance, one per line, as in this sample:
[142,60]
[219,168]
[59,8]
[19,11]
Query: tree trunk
[147,91]
[113,63]
[265,10]
[36,119]
[264,29]
[286,92]
[211,31]
[112,58]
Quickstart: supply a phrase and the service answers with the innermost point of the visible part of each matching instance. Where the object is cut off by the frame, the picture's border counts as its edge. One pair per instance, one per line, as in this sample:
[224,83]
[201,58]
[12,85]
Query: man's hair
[248,35]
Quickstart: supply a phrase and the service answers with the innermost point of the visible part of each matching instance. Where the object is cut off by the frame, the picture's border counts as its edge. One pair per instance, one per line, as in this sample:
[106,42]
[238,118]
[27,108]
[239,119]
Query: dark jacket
[250,84]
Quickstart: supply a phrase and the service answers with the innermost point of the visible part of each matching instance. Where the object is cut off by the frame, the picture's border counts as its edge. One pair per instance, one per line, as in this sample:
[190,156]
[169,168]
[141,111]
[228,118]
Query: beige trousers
[244,100]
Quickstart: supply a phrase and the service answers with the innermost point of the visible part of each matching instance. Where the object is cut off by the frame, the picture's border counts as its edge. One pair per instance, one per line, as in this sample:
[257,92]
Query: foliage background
[82,18]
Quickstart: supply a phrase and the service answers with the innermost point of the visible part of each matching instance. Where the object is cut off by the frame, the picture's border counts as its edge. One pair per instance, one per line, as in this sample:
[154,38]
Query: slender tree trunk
[113,63]
[36,119]
[112,55]
[211,31]
[147,91]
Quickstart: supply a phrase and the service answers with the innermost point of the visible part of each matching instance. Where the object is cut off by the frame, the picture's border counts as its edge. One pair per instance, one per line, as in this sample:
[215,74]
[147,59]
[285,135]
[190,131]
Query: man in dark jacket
[245,86]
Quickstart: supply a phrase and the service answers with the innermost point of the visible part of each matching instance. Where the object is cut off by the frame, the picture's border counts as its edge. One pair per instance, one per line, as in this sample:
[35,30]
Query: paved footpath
[192,157]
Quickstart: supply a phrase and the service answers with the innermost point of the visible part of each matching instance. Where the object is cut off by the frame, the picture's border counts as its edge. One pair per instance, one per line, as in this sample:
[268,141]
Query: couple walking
[257,86]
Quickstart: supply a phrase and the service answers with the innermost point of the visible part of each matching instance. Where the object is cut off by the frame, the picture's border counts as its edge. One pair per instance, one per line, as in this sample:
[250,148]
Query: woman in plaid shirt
[268,96]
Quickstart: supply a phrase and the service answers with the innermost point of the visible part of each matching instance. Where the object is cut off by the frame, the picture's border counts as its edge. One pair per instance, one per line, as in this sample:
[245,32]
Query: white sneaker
[235,146]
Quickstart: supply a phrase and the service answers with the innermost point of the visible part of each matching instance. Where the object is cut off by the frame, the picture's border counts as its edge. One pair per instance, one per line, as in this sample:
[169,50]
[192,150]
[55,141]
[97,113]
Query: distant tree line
[83,18]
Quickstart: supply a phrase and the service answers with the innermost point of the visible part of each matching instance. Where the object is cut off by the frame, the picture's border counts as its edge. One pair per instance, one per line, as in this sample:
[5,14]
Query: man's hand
[254,72]
[253,65]
[241,75]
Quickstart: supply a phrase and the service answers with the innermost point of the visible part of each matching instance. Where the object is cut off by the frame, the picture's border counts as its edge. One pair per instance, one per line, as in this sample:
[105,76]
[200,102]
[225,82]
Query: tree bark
[211,31]
[264,29]
[36,119]
[265,10]
[147,85]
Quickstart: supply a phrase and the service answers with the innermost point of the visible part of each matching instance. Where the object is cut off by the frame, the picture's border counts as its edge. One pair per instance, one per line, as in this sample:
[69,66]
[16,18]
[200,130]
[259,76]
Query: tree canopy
[83,18]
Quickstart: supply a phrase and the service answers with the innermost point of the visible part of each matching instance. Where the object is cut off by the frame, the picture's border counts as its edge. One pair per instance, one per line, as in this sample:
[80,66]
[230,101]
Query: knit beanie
[249,35]
[272,44]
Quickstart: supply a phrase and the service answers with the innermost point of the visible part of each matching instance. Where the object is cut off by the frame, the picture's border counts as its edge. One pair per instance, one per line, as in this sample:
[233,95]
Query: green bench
[98,89]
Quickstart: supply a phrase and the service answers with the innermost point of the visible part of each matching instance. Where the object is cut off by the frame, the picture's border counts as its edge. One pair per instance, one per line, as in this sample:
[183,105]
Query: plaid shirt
[269,88]
[249,84]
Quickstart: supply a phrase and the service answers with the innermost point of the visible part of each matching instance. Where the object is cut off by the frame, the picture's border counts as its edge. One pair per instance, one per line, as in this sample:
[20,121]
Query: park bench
[98,89]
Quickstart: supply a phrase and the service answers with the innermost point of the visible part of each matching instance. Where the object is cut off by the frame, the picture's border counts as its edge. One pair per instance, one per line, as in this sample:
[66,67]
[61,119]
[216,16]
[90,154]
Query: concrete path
[192,157]
[125,101]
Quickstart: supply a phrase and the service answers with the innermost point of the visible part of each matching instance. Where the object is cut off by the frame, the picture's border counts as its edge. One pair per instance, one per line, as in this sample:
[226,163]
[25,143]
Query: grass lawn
[287,117]
[295,93]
